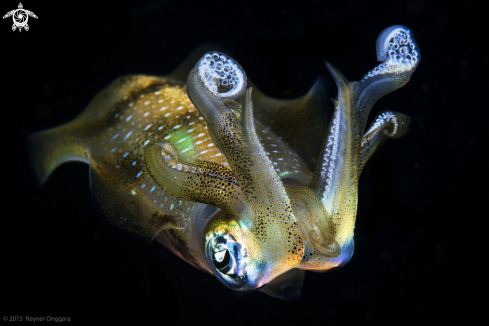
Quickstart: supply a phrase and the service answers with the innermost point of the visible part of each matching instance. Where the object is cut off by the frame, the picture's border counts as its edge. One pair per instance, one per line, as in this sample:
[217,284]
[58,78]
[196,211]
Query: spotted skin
[163,150]
[112,135]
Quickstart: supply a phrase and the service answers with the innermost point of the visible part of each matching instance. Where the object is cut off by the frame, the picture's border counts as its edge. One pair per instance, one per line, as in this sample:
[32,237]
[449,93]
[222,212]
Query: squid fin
[50,148]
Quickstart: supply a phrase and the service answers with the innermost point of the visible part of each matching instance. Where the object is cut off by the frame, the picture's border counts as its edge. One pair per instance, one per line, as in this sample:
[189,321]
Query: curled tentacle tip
[391,124]
[397,43]
[222,75]
[397,50]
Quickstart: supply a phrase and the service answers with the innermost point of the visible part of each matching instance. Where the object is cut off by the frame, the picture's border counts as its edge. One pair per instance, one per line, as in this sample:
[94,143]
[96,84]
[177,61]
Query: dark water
[420,200]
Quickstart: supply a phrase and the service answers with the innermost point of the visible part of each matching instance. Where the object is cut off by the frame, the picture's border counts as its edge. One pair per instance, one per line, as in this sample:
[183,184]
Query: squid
[251,189]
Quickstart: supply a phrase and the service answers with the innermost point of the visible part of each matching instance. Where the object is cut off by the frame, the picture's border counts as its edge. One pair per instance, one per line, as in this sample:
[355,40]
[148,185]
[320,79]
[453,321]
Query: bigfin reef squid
[252,189]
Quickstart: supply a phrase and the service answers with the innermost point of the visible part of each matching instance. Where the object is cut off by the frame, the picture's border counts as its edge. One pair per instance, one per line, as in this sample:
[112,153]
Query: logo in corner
[20,17]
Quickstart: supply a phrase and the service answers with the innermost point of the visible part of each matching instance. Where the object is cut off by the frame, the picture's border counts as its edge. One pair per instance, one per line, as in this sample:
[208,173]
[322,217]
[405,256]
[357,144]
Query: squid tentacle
[228,112]
[201,181]
[334,171]
[229,115]
[344,152]
[387,124]
[400,56]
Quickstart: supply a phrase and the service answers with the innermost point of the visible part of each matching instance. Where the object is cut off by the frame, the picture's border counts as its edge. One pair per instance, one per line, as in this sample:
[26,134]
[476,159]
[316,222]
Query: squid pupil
[223,263]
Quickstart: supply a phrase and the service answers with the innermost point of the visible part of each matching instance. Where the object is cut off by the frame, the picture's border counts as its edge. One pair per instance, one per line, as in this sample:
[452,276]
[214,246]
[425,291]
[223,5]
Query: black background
[420,198]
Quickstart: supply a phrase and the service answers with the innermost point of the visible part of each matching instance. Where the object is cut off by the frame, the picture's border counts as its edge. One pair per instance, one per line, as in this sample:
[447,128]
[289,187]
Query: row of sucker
[396,50]
[331,152]
[222,76]
[387,124]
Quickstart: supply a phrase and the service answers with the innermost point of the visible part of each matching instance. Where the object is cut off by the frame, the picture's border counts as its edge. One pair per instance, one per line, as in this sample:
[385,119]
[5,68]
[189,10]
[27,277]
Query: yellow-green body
[252,189]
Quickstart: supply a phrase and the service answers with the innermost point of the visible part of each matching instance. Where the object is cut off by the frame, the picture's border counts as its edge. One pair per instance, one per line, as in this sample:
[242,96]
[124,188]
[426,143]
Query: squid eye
[225,257]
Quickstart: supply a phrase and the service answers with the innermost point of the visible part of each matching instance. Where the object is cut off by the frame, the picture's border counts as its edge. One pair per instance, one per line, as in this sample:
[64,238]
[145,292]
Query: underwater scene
[251,163]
